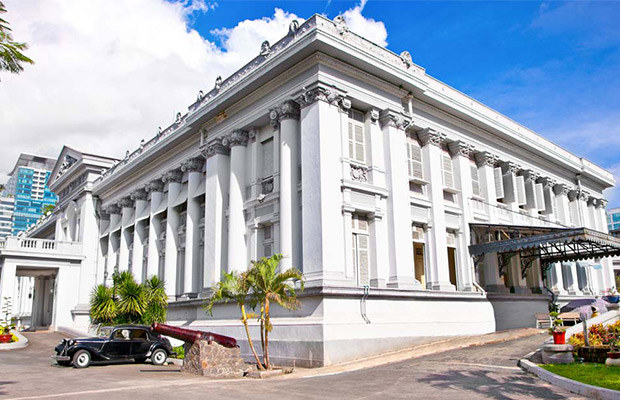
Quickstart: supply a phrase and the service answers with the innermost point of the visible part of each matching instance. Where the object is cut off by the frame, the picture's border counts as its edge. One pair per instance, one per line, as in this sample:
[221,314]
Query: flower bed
[601,339]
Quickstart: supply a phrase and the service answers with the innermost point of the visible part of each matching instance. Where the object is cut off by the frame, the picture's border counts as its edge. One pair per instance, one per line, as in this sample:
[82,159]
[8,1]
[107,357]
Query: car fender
[156,346]
[93,353]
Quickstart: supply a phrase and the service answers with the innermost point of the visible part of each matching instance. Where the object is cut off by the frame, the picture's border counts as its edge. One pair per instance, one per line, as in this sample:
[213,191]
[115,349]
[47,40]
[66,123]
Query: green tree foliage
[128,301]
[47,208]
[11,56]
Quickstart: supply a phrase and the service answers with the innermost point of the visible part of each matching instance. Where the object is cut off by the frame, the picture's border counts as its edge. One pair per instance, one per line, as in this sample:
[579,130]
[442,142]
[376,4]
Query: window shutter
[499,183]
[521,197]
[475,180]
[362,251]
[267,150]
[540,197]
[351,141]
[359,143]
[416,161]
[550,204]
[448,180]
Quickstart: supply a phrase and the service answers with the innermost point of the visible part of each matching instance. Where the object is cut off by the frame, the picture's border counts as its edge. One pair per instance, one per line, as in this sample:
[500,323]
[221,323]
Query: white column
[127,213]
[289,177]
[237,251]
[173,179]
[115,218]
[492,279]
[322,226]
[562,203]
[139,232]
[557,279]
[191,286]
[439,276]
[216,192]
[530,178]
[156,189]
[570,275]
[90,246]
[462,168]
[7,284]
[486,163]
[608,271]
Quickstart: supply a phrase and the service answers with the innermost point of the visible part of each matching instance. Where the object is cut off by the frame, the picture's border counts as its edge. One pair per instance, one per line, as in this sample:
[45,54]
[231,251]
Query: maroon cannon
[190,335]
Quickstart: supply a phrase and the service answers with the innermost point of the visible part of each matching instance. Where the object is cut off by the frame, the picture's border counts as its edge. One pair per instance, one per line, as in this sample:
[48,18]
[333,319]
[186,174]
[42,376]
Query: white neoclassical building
[370,176]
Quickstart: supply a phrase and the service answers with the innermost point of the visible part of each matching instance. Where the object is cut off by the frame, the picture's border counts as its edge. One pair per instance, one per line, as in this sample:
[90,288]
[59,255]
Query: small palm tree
[235,287]
[156,299]
[270,285]
[11,58]
[103,308]
[132,300]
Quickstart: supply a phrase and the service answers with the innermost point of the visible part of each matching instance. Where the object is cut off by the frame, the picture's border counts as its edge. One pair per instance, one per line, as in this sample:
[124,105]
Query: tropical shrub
[128,301]
[598,335]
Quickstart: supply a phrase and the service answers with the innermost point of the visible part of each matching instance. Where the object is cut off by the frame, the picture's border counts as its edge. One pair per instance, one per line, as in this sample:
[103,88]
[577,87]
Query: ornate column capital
[510,167]
[393,119]
[530,175]
[140,194]
[174,176]
[461,148]
[548,183]
[485,158]
[154,186]
[584,195]
[289,109]
[112,209]
[238,137]
[602,203]
[573,194]
[561,189]
[373,115]
[592,201]
[213,147]
[193,165]
[431,136]
[125,202]
[320,92]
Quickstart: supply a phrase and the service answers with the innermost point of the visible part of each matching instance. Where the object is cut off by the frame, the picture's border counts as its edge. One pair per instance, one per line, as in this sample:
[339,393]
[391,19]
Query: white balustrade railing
[32,245]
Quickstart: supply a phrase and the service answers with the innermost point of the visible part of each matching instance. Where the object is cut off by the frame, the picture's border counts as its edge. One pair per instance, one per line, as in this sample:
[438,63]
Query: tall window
[417,236]
[414,159]
[451,241]
[267,240]
[357,146]
[267,155]
[446,166]
[360,240]
[475,179]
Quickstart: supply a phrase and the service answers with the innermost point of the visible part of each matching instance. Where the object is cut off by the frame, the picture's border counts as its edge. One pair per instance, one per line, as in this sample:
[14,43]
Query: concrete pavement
[482,372]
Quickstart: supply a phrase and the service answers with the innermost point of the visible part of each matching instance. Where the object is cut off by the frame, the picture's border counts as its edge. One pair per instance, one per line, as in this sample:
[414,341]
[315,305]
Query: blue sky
[552,66]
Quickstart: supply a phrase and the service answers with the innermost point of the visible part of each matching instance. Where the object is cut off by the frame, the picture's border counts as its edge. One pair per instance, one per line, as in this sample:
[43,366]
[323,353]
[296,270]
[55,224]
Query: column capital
[214,147]
[530,175]
[461,148]
[193,165]
[573,194]
[584,195]
[320,92]
[431,136]
[548,183]
[373,115]
[592,201]
[485,158]
[393,119]
[289,109]
[140,194]
[112,209]
[154,186]
[602,203]
[174,176]
[561,189]
[238,137]
[125,202]
[510,167]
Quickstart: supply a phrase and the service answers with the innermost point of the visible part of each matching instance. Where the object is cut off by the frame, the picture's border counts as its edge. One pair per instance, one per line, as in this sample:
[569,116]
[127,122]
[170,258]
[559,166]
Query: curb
[20,344]
[592,392]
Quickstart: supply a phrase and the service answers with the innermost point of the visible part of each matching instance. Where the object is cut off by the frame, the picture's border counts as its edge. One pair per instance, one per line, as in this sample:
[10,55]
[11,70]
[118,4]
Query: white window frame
[360,233]
[356,120]
[415,167]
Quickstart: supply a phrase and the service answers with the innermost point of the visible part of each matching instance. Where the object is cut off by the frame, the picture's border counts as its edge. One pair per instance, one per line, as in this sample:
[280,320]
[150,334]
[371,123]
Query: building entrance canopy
[545,243]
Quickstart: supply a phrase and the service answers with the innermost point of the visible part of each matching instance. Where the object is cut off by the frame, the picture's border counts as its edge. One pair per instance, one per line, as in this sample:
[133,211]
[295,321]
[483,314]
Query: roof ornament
[142,143]
[218,83]
[178,118]
[293,27]
[158,132]
[201,96]
[406,57]
[265,49]
[341,25]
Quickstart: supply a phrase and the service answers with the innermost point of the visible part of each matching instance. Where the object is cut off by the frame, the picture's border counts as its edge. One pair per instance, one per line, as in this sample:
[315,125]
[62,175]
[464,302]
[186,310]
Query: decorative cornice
[193,165]
[140,194]
[530,175]
[510,167]
[431,136]
[154,186]
[238,137]
[485,158]
[561,189]
[461,148]
[125,202]
[174,176]
[393,119]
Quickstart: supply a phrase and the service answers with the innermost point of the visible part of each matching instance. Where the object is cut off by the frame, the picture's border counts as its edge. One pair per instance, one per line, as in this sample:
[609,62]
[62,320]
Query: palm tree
[11,58]
[157,300]
[103,308]
[270,285]
[235,287]
[132,300]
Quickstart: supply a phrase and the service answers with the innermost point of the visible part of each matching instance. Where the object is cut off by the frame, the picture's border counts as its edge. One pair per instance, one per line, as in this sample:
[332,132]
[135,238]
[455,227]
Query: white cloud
[613,194]
[108,73]
[367,27]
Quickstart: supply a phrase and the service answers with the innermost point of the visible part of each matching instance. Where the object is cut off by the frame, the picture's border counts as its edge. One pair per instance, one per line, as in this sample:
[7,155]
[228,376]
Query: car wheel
[81,359]
[159,357]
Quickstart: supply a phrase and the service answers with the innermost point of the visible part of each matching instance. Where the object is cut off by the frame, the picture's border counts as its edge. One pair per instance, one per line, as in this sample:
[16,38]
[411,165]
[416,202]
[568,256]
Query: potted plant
[5,330]
[612,295]
[557,329]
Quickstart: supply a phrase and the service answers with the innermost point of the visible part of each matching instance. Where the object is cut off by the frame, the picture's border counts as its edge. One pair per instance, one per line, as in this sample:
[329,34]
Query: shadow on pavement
[2,386]
[482,382]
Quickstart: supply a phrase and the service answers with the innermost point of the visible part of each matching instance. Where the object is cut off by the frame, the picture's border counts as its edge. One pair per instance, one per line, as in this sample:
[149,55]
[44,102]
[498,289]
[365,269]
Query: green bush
[180,350]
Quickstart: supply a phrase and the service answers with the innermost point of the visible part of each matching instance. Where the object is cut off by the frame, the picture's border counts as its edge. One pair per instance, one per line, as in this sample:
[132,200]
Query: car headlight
[71,342]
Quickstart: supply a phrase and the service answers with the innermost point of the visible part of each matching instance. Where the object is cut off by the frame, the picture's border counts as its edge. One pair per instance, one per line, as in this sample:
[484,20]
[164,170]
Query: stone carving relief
[154,186]
[140,194]
[460,148]
[265,49]
[193,165]
[238,137]
[174,176]
[359,173]
[64,167]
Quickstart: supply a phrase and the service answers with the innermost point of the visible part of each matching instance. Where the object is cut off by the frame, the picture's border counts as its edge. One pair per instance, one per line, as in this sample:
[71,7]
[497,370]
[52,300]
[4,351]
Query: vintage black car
[124,342]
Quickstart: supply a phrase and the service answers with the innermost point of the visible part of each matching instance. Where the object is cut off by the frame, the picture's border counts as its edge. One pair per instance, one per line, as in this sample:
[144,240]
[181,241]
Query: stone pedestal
[214,361]
[557,354]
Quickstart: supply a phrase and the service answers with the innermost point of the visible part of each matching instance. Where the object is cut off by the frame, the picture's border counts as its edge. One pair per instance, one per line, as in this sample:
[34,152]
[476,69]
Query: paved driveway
[485,372]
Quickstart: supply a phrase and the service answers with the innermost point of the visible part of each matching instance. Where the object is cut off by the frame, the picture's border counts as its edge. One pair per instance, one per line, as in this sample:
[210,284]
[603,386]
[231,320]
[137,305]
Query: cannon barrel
[190,335]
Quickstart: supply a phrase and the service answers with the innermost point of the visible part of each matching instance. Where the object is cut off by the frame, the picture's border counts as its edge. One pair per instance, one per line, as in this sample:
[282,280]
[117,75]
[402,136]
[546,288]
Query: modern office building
[613,220]
[412,209]
[7,205]
[28,186]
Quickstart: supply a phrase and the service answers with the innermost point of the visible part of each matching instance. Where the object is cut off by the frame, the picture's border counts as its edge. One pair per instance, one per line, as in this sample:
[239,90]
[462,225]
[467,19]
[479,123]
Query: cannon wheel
[159,357]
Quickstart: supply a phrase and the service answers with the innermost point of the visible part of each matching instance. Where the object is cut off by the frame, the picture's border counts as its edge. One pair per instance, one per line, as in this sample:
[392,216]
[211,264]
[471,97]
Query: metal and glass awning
[546,243]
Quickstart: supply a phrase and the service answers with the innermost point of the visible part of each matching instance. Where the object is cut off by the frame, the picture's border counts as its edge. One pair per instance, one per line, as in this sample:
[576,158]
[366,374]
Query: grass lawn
[590,373]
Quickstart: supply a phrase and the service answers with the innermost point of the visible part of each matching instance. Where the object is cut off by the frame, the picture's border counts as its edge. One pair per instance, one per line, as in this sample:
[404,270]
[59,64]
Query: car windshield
[105,332]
